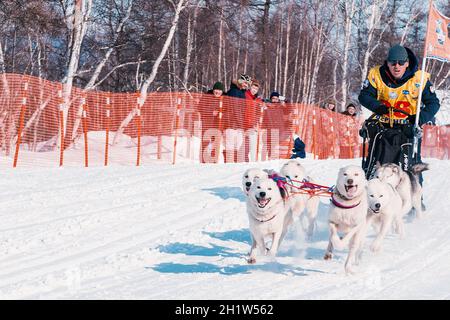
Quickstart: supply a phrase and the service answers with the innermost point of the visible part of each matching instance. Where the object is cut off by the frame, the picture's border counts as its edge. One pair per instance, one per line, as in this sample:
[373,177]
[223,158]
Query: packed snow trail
[181,232]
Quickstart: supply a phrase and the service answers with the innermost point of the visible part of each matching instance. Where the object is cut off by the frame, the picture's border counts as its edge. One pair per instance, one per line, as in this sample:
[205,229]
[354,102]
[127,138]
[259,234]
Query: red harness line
[309,188]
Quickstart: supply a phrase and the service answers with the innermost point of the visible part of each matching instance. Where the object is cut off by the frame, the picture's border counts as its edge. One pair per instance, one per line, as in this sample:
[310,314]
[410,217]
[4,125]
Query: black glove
[381,109]
[418,132]
[412,119]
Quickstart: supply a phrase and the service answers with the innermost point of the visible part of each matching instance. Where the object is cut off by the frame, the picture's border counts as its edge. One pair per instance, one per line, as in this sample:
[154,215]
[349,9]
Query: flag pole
[422,76]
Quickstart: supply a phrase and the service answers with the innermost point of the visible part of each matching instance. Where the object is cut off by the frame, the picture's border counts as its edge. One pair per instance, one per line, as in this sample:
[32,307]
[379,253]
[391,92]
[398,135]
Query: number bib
[403,98]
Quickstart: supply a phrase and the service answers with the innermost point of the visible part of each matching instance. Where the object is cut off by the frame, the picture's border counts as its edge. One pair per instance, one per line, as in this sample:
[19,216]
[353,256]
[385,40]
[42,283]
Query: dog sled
[391,142]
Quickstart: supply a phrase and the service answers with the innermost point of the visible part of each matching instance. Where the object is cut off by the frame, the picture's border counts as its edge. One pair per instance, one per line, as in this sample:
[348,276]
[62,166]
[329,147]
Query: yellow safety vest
[404,97]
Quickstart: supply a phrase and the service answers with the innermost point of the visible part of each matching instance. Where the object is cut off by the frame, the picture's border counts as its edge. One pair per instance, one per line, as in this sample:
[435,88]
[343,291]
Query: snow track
[181,232]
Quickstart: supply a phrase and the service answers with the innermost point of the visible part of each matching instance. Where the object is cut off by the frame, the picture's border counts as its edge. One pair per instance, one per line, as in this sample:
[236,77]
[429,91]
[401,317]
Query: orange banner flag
[437,41]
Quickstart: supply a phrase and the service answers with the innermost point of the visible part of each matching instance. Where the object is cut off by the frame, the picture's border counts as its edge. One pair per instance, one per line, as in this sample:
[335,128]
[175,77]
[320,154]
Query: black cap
[397,53]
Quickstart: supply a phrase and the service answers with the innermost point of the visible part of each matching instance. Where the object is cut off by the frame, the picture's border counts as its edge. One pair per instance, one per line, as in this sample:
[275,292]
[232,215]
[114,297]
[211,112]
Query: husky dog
[293,170]
[385,206]
[406,183]
[248,177]
[268,215]
[347,214]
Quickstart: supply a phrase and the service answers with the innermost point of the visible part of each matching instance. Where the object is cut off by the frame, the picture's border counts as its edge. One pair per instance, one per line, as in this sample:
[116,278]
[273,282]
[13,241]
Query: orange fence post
[138,159]
[108,114]
[258,129]
[177,123]
[21,120]
[84,123]
[314,135]
[159,147]
[61,128]
[220,125]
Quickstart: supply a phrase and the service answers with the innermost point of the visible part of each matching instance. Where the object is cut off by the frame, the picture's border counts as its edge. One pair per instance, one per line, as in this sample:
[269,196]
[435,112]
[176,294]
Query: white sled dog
[299,202]
[406,183]
[347,214]
[385,206]
[268,215]
[248,177]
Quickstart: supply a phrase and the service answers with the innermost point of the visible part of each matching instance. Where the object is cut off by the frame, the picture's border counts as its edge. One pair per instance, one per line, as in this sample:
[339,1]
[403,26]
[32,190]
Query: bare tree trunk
[335,84]
[143,96]
[92,83]
[349,13]
[286,59]
[219,58]
[77,23]
[373,23]
[246,51]
[295,70]
[189,45]
[238,55]
[4,107]
[265,24]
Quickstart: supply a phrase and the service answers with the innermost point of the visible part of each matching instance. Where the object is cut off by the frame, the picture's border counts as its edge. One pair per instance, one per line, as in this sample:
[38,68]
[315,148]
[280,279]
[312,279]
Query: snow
[160,231]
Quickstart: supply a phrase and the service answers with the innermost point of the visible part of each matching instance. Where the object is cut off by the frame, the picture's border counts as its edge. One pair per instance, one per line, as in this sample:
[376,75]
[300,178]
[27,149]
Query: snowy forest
[308,50]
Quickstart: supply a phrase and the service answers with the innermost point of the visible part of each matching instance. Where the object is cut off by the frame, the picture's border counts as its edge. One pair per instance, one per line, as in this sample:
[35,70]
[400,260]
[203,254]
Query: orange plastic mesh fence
[169,127]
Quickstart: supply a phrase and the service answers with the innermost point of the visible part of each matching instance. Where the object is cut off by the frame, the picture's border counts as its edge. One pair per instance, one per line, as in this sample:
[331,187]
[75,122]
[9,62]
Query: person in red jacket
[208,108]
[276,126]
[252,106]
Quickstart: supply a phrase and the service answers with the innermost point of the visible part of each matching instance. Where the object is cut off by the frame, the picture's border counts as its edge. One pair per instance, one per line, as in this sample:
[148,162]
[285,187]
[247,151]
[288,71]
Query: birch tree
[348,10]
[77,20]
[178,8]
[93,81]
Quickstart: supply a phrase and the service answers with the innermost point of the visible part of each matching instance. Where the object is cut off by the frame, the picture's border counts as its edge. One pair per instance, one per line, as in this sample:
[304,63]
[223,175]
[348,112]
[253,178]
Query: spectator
[239,87]
[218,89]
[328,144]
[251,120]
[349,132]
[330,105]
[350,110]
[234,118]
[275,97]
[276,126]
[208,108]
[299,149]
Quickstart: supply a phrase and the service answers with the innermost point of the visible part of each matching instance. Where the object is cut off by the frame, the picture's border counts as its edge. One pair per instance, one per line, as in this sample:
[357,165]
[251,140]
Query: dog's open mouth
[247,188]
[263,202]
[351,189]
[376,210]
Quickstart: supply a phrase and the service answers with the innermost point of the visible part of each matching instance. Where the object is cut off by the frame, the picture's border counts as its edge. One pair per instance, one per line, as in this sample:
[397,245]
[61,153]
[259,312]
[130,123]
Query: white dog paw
[271,253]
[375,247]
[349,271]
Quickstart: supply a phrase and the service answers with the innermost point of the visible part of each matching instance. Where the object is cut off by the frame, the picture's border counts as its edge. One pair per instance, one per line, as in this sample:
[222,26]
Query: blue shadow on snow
[201,267]
[195,250]
[227,193]
[242,235]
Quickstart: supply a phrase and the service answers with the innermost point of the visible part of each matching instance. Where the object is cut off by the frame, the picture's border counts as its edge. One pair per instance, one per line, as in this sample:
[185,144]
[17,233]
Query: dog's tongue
[263,201]
[351,190]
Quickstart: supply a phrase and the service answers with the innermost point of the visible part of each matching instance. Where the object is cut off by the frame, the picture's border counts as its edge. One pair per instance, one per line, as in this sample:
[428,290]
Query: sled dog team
[355,204]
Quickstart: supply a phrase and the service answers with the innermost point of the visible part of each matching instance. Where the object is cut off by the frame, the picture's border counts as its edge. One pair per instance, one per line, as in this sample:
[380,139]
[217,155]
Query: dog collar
[267,219]
[342,206]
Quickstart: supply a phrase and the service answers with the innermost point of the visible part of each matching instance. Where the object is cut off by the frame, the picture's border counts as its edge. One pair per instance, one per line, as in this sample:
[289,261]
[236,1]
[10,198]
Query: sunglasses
[399,62]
